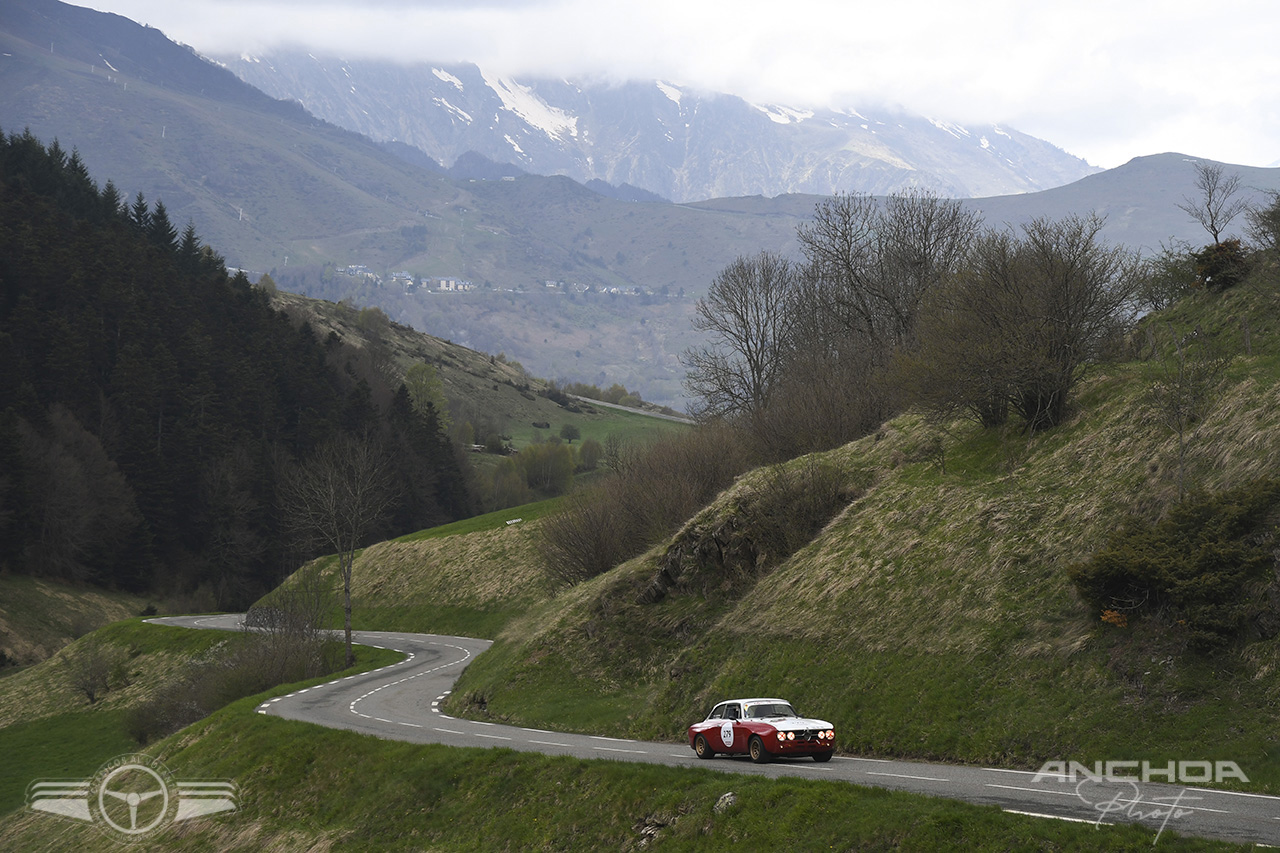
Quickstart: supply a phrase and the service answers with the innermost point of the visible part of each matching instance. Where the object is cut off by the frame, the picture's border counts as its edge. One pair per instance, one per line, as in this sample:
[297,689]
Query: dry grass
[44,691]
[485,568]
[37,617]
[937,562]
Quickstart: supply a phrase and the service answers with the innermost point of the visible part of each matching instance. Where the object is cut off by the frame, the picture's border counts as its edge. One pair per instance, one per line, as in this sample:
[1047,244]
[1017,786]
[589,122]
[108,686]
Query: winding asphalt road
[402,701]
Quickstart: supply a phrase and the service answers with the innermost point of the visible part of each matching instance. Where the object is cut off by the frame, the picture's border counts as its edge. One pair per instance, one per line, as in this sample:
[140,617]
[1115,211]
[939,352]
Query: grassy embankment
[933,617]
[302,787]
[49,730]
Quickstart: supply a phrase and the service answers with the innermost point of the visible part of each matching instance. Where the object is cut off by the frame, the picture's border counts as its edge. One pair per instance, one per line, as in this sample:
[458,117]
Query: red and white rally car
[763,729]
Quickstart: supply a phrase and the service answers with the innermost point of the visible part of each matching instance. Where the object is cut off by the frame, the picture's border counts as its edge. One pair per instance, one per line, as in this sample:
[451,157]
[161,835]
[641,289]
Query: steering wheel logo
[132,795]
[118,795]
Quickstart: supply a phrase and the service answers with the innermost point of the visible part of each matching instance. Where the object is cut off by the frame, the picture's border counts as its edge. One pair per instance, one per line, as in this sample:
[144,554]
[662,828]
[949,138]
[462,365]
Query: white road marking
[612,749]
[1059,817]
[1036,790]
[1181,805]
[906,776]
[1235,794]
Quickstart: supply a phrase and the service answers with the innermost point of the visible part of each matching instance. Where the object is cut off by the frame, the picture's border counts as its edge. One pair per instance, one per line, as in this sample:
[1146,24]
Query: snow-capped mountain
[679,143]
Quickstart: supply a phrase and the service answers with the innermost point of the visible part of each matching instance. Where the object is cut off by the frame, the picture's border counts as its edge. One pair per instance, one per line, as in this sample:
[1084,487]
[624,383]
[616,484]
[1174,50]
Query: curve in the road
[402,701]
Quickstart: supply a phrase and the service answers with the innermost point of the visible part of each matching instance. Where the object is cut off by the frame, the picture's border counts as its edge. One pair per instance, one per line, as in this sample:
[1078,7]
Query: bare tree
[1075,288]
[840,247]
[88,668]
[1185,387]
[1264,225]
[922,238]
[1167,276]
[746,313]
[1216,205]
[1015,328]
[336,499]
[879,260]
[964,363]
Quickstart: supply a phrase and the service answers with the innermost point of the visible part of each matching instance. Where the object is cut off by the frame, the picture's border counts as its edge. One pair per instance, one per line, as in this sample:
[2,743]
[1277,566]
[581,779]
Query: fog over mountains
[677,143]
[276,189]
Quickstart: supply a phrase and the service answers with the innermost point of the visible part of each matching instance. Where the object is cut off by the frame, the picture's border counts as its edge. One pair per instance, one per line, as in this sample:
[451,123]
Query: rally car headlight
[791,735]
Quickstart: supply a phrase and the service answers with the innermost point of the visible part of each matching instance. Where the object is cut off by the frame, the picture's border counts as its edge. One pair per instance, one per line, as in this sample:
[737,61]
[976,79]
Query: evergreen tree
[161,229]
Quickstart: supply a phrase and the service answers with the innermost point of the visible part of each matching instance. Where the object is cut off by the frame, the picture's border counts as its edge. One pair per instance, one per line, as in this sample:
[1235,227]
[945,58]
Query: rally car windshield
[771,709]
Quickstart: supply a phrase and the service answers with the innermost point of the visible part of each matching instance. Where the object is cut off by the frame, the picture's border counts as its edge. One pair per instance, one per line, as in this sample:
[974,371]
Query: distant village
[415,284]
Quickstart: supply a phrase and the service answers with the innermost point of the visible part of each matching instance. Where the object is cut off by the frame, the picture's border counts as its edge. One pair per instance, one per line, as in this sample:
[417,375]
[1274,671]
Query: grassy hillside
[476,383]
[38,617]
[933,617]
[469,578]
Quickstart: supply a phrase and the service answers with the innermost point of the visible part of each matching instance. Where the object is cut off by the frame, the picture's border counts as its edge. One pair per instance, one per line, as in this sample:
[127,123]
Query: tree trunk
[347,560]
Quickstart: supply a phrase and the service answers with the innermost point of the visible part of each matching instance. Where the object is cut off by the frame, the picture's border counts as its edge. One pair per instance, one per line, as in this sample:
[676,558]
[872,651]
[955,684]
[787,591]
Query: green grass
[306,787]
[628,427]
[74,743]
[429,619]
[68,746]
[489,521]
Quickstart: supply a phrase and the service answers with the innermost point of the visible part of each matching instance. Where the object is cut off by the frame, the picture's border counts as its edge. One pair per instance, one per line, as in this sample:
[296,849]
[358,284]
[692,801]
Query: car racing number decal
[726,733]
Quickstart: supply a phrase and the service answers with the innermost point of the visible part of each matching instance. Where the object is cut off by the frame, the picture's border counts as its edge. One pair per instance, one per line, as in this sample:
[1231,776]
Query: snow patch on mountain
[954,129]
[522,101]
[670,91]
[784,115]
[445,76]
[457,111]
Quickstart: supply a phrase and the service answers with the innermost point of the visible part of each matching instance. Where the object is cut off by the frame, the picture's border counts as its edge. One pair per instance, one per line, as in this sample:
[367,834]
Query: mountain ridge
[677,142]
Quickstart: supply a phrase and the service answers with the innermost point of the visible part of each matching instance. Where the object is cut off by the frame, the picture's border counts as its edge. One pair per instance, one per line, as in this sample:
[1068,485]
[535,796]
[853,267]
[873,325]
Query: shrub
[652,492]
[589,454]
[794,503]
[1206,566]
[1222,265]
[89,667]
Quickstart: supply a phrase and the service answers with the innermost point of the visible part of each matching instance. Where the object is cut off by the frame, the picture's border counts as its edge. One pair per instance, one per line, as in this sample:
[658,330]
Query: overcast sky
[1107,80]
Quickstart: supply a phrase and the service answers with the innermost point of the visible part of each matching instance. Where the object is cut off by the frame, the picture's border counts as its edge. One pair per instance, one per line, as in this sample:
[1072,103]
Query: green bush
[1222,265]
[1207,567]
